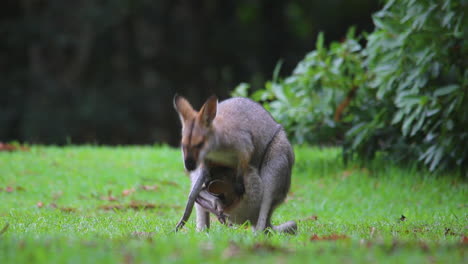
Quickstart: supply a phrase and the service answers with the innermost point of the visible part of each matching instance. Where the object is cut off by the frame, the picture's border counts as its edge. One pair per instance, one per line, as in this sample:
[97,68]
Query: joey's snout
[190,164]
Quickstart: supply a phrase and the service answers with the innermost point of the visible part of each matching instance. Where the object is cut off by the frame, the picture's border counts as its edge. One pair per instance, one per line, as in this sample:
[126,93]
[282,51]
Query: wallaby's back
[250,119]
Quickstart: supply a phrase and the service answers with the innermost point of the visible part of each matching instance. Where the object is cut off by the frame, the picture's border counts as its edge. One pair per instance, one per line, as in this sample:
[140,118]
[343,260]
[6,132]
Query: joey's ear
[208,111]
[183,108]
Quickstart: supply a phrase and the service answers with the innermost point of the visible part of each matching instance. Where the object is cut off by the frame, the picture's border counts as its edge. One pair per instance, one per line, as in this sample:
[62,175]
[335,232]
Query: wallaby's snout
[190,164]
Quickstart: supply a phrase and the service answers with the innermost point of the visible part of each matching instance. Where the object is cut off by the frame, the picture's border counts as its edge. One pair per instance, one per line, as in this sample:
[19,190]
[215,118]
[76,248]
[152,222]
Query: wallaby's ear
[183,108]
[208,111]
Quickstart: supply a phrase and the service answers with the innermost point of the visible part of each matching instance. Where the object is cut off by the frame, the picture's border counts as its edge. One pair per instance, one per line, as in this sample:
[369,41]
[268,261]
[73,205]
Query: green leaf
[437,157]
[359,138]
[446,90]
[320,40]
[278,91]
[277,70]
[241,90]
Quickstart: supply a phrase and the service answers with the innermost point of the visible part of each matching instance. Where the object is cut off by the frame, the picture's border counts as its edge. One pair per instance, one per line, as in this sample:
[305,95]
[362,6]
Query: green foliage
[53,200]
[305,101]
[417,57]
[411,81]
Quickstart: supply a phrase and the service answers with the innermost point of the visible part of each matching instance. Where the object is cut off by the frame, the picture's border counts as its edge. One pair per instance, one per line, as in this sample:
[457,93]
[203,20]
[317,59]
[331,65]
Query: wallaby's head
[196,128]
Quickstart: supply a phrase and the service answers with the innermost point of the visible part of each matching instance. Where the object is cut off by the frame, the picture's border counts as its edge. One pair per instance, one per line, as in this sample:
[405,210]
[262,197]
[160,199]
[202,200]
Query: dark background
[105,71]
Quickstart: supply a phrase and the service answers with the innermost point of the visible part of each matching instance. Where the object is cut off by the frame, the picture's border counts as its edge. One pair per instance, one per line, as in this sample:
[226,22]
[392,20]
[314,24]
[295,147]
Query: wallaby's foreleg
[198,178]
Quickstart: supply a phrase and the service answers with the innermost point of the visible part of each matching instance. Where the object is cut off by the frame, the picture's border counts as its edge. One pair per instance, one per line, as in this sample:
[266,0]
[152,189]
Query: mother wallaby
[241,135]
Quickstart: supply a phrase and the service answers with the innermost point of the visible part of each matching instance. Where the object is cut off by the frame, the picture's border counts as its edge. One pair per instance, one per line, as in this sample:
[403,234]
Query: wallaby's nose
[190,164]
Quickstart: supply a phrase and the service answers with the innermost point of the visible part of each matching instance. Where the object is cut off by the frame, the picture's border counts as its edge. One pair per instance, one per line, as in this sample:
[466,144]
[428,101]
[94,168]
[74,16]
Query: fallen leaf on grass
[171,183]
[128,192]
[4,229]
[464,240]
[346,174]
[140,206]
[128,259]
[67,209]
[57,195]
[146,235]
[135,205]
[54,206]
[449,231]
[310,218]
[232,250]
[149,187]
[267,248]
[332,237]
[11,147]
[372,231]
[109,197]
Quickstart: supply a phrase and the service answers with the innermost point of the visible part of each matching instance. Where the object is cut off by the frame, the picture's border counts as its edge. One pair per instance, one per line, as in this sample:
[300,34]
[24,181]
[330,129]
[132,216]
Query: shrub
[404,95]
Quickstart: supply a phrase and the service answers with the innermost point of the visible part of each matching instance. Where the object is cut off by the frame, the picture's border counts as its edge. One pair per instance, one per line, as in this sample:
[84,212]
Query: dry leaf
[128,192]
[449,231]
[149,187]
[67,209]
[142,234]
[231,251]
[4,229]
[136,205]
[332,237]
[346,174]
[372,231]
[464,240]
[172,183]
[109,197]
[10,147]
[57,195]
[263,247]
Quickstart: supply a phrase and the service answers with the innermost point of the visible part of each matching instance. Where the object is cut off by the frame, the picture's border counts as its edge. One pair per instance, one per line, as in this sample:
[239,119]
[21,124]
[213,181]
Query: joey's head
[196,129]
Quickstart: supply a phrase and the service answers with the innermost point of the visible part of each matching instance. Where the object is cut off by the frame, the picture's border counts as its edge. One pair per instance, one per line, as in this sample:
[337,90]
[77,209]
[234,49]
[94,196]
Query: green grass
[53,200]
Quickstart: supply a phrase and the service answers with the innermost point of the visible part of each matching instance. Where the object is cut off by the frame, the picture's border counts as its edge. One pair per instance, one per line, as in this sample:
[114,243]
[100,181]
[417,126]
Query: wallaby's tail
[289,227]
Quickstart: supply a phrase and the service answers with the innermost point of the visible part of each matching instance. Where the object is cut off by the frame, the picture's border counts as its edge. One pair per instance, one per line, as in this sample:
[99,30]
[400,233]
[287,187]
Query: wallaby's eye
[199,145]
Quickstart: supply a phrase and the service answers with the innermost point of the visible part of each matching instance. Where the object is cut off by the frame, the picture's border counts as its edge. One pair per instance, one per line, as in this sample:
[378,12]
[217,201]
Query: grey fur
[243,129]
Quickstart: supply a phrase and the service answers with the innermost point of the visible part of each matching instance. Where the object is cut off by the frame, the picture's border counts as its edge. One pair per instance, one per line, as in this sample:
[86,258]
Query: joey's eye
[199,145]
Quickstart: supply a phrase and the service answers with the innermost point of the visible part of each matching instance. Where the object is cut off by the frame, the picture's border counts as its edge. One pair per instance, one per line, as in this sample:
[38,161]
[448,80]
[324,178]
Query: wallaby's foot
[289,227]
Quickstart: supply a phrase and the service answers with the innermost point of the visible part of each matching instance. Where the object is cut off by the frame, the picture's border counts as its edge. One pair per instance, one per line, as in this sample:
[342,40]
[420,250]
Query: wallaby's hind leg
[203,218]
[276,178]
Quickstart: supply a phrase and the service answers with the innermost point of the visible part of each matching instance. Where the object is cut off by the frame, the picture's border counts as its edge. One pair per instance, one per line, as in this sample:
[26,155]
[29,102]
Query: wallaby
[238,134]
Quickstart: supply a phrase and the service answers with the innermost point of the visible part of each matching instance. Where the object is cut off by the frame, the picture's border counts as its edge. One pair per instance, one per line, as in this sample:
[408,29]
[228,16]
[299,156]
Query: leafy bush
[403,95]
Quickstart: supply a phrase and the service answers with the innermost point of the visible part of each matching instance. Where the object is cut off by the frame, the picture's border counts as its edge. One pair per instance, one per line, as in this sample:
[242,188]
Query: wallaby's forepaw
[179,225]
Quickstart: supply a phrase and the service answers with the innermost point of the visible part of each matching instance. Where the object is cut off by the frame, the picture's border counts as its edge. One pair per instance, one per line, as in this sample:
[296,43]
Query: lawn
[88,204]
